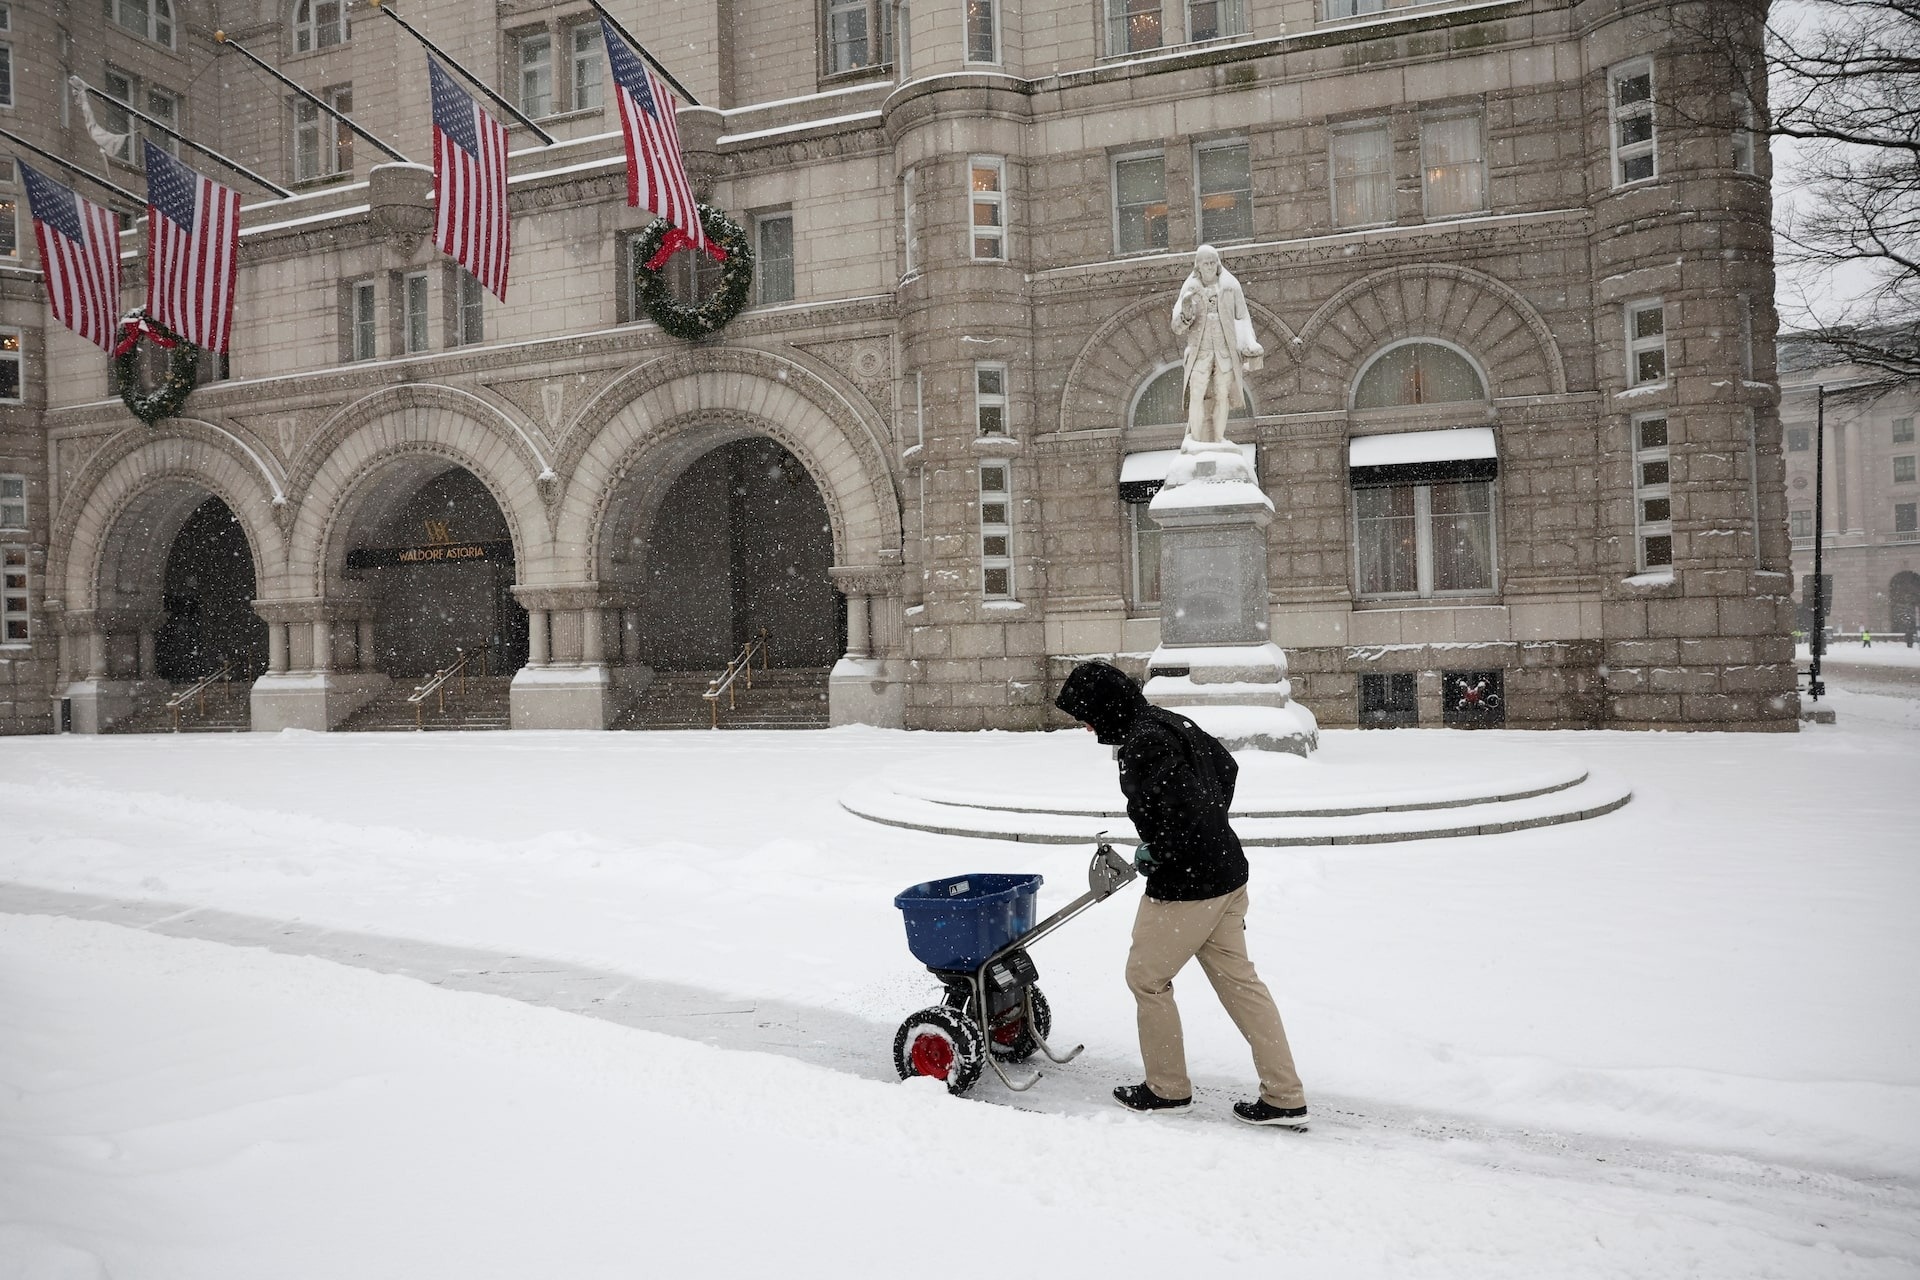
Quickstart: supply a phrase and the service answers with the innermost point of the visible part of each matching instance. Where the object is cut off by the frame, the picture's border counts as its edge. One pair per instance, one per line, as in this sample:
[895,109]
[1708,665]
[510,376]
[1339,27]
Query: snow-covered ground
[1883,652]
[1680,1039]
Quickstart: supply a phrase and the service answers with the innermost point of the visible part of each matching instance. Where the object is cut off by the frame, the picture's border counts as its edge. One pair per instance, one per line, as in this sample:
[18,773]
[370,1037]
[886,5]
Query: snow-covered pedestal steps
[1361,788]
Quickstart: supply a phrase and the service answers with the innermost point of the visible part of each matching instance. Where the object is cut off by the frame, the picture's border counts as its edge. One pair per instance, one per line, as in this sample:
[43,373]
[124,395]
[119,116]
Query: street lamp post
[1815,687]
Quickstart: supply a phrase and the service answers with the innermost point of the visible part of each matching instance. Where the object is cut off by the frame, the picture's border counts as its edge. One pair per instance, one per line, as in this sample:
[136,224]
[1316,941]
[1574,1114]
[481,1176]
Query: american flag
[193,250]
[656,178]
[469,183]
[80,255]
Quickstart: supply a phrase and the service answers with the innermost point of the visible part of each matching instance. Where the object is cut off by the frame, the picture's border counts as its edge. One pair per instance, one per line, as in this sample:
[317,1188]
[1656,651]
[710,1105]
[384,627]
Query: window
[1800,523]
[363,322]
[319,24]
[9,217]
[1630,91]
[1646,343]
[164,107]
[989,207]
[588,67]
[150,18]
[1389,700]
[858,34]
[1223,172]
[473,309]
[536,73]
[14,617]
[1216,19]
[1133,26]
[1414,373]
[1362,176]
[1353,8]
[1424,539]
[6,75]
[996,531]
[1453,166]
[1742,133]
[983,34]
[322,146]
[990,399]
[909,224]
[12,380]
[1799,439]
[1903,518]
[13,502]
[413,311]
[773,257]
[1903,430]
[1903,469]
[1140,203]
[1652,493]
[1746,336]
[1144,535]
[117,85]
[1473,699]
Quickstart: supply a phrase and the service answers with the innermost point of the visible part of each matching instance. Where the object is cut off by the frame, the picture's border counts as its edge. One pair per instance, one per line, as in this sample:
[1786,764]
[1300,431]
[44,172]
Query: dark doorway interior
[743,541]
[429,610]
[208,596]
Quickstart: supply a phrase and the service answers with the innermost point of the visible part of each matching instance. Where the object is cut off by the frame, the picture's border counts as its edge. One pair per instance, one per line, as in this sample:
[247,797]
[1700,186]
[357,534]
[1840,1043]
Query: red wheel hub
[932,1055]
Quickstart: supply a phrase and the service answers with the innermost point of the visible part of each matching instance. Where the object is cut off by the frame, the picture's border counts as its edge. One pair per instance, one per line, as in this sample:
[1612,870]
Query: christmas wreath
[726,243]
[164,400]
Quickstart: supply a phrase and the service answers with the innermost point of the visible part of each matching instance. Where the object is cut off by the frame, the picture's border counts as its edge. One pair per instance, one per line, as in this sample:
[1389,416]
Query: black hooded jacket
[1177,778]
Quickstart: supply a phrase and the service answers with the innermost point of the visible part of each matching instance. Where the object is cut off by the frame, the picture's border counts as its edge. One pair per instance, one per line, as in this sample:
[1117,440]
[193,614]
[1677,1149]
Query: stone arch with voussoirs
[109,545]
[1468,309]
[1138,341]
[409,432]
[658,418]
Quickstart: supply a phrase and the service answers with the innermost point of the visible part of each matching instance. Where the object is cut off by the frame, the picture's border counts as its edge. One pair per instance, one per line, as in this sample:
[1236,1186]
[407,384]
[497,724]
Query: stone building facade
[1510,259]
[1871,555]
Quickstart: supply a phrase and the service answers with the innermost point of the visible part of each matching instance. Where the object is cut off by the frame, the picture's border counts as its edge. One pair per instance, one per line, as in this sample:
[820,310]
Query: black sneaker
[1259,1112]
[1137,1097]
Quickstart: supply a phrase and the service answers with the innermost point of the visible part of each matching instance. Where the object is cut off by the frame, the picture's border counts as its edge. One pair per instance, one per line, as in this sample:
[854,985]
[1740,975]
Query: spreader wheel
[1013,1039]
[941,1043]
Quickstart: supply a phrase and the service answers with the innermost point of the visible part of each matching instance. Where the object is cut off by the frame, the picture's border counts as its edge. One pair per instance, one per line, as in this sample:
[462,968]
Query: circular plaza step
[1359,788]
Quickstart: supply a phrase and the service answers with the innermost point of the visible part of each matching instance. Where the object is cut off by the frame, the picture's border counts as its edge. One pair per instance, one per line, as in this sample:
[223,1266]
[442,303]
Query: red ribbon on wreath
[673,242]
[135,327]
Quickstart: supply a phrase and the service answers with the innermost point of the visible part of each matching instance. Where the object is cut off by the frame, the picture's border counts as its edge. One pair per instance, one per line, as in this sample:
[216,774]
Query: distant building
[1529,237]
[1871,555]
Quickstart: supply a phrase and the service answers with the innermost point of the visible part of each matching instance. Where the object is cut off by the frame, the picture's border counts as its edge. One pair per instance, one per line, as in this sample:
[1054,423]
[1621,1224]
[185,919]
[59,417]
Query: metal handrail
[436,684]
[741,665]
[198,689]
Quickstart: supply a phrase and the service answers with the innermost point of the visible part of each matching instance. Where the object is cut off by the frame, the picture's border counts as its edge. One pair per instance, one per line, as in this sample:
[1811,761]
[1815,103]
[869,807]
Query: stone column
[276,648]
[593,645]
[857,643]
[323,644]
[146,663]
[96,654]
[363,643]
[537,650]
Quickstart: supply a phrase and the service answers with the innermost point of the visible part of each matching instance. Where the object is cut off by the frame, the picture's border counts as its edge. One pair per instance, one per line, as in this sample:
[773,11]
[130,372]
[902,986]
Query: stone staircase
[484,705]
[781,698]
[228,710]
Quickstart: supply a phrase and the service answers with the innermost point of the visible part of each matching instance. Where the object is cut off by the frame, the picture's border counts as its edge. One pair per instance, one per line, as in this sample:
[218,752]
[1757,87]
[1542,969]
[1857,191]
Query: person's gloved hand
[1143,859]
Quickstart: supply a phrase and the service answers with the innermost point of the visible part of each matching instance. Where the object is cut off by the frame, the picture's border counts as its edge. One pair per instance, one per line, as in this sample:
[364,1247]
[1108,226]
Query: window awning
[1142,474]
[1424,457]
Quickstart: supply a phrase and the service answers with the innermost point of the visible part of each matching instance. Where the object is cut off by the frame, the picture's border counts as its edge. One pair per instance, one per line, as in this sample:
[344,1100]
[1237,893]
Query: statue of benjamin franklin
[1221,347]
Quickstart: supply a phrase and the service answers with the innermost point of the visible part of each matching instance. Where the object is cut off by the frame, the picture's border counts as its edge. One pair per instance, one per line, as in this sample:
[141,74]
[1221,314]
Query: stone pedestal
[868,691]
[313,700]
[99,703]
[570,697]
[1215,663]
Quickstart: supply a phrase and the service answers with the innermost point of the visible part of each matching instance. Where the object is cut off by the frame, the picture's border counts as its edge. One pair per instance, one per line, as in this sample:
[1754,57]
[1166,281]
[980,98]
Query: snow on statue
[1221,346]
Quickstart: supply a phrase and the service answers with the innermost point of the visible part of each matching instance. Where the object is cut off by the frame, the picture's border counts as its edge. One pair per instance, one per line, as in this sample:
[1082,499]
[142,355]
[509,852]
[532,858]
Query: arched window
[318,24]
[1159,403]
[1416,373]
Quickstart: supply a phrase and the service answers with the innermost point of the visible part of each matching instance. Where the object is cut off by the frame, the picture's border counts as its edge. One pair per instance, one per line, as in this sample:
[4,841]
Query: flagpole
[71,167]
[641,49]
[471,78]
[167,129]
[221,37]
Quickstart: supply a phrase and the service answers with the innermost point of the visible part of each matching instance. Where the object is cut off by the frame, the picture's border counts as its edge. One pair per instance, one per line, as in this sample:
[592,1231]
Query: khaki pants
[1214,931]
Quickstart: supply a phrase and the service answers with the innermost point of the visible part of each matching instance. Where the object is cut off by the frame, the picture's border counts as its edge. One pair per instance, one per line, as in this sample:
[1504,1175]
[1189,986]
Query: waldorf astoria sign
[435,553]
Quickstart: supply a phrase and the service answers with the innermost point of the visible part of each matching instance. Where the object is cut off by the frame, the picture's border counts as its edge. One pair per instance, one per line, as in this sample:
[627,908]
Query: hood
[1104,696]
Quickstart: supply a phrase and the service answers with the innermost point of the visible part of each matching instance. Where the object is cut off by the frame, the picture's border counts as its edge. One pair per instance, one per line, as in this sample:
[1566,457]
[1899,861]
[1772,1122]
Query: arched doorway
[741,541]
[1903,602]
[430,562]
[207,594]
